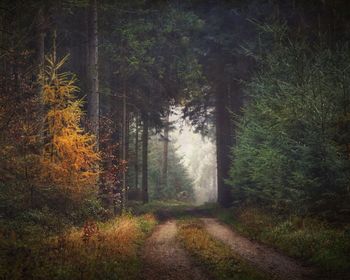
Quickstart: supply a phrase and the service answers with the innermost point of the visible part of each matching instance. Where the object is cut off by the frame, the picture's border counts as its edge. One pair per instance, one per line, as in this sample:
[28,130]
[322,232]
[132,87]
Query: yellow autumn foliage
[69,158]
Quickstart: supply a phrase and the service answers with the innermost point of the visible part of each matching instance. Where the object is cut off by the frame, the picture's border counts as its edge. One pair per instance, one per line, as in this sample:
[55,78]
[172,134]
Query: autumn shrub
[147,222]
[218,259]
[96,250]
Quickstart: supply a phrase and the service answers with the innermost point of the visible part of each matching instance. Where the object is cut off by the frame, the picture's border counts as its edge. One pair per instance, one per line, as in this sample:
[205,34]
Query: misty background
[198,154]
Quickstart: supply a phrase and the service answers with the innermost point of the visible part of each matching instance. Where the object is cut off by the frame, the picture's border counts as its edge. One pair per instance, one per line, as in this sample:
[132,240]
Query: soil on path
[164,258]
[263,257]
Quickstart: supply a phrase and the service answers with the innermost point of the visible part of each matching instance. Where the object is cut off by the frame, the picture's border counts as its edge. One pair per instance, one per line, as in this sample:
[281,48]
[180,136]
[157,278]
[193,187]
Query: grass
[164,210]
[154,206]
[213,255]
[96,251]
[308,239]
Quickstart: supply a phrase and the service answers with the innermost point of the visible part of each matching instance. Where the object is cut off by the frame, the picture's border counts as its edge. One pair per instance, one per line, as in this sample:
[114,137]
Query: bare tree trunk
[86,51]
[165,151]
[124,151]
[223,143]
[136,166]
[40,48]
[93,94]
[145,124]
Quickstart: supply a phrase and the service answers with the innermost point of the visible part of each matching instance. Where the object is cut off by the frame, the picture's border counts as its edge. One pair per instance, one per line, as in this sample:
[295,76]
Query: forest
[175,140]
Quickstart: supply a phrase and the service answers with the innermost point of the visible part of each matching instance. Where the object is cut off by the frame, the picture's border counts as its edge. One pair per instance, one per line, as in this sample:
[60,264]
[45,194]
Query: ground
[263,257]
[165,258]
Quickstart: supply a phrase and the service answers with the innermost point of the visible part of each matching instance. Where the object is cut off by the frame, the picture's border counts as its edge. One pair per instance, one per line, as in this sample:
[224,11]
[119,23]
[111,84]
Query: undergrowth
[308,239]
[95,251]
[215,257]
[158,205]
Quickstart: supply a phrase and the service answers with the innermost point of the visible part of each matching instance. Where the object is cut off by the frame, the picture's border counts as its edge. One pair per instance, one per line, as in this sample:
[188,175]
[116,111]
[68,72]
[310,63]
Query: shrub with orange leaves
[90,229]
[112,247]
[108,250]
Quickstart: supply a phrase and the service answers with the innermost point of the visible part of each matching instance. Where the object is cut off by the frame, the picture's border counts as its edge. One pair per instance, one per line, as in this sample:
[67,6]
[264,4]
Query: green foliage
[178,180]
[292,142]
[325,247]
[150,53]
[51,211]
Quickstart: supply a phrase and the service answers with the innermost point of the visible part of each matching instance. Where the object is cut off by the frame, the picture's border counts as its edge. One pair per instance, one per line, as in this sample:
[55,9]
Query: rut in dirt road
[263,257]
[165,259]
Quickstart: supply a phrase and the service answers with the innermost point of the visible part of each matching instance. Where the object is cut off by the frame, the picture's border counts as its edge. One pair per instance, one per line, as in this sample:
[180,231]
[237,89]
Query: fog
[199,157]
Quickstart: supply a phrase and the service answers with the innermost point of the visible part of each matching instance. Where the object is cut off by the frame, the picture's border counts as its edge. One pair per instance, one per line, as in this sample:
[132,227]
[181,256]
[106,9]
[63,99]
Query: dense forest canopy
[265,79]
[93,93]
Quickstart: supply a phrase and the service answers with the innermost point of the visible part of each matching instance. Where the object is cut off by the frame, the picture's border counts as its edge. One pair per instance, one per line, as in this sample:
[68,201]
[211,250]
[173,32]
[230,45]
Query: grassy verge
[308,239]
[96,251]
[215,257]
[154,206]
[163,210]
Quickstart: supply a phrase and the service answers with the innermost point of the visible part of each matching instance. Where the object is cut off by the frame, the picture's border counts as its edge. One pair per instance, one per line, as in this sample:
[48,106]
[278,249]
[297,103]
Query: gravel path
[263,257]
[164,258]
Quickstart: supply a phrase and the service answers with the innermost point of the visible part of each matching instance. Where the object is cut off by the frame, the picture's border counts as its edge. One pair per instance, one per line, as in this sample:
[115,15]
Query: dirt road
[164,258]
[263,257]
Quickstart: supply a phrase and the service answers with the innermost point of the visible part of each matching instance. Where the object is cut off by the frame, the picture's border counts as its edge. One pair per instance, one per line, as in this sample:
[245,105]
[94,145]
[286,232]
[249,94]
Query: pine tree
[69,156]
[291,142]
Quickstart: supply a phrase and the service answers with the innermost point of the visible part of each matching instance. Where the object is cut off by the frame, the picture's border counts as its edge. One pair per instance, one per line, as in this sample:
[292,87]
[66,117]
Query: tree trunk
[145,124]
[123,202]
[165,152]
[40,48]
[224,141]
[85,54]
[93,94]
[136,166]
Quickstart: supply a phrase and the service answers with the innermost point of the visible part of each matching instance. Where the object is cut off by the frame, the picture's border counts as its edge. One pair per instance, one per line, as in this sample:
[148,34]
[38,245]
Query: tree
[291,152]
[165,139]
[154,66]
[144,183]
[69,158]
[179,183]
[224,68]
[93,93]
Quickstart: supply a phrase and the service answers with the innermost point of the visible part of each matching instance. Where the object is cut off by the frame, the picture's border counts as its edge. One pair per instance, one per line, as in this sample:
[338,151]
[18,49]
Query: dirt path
[165,259]
[263,257]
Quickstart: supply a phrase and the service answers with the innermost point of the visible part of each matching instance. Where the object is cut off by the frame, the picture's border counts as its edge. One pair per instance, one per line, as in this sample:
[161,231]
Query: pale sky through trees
[199,157]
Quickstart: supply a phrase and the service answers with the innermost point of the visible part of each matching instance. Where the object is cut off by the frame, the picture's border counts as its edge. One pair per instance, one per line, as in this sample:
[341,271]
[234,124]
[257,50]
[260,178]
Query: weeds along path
[263,257]
[164,258]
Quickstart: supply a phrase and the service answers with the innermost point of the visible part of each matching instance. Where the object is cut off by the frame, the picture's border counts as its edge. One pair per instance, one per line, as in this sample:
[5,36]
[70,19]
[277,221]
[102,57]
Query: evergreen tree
[292,142]
[179,184]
